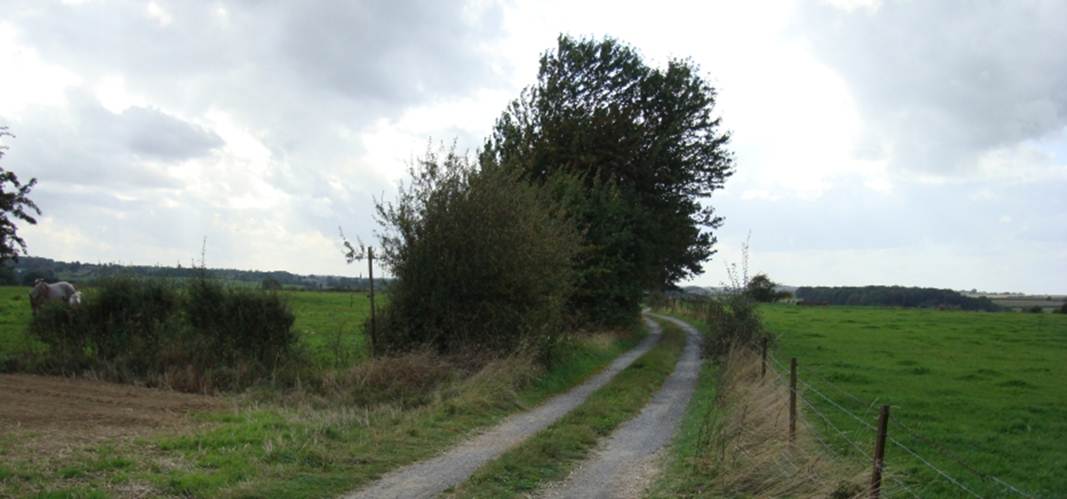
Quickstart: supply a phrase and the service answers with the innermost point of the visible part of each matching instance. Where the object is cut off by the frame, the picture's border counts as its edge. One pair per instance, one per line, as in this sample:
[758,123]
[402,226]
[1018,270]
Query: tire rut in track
[627,462]
[431,477]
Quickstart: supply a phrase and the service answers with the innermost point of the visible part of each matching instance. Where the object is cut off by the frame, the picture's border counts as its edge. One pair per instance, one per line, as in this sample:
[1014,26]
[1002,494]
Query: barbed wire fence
[858,439]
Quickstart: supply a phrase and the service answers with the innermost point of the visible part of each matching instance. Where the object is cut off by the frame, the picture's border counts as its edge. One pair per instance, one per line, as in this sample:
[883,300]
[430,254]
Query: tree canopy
[15,205]
[647,148]
[761,289]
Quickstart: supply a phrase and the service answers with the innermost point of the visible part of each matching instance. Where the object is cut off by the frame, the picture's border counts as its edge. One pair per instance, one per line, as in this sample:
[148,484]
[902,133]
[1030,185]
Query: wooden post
[763,365]
[792,399]
[373,319]
[879,453]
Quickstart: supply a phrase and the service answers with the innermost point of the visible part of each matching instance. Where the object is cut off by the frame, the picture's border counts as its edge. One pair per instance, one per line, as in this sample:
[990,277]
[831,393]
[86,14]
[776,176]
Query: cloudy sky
[912,143]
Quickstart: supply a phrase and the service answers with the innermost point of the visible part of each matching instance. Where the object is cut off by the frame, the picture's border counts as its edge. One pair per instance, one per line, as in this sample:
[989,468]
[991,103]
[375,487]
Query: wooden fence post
[792,399]
[763,364]
[373,320]
[879,453]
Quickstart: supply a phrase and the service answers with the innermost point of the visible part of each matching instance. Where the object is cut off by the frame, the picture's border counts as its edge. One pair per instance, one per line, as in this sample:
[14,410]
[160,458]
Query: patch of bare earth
[48,421]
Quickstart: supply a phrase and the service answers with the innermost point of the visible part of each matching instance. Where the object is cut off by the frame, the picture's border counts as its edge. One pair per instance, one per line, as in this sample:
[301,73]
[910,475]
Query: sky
[876,142]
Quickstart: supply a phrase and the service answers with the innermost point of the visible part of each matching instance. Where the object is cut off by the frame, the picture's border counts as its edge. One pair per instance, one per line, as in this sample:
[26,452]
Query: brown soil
[48,411]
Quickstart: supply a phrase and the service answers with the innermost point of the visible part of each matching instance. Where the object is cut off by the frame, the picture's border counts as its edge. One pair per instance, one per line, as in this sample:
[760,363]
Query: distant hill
[29,268]
[894,296]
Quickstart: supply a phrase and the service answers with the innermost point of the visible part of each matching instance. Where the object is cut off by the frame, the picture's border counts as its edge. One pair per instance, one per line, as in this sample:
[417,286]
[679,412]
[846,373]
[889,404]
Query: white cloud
[874,140]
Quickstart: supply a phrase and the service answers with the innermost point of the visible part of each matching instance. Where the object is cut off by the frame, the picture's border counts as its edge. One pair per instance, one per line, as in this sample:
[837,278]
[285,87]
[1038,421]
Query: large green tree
[648,149]
[15,205]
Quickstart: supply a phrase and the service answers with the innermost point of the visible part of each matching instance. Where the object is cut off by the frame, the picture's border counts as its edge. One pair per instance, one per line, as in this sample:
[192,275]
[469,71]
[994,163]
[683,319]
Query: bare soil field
[41,413]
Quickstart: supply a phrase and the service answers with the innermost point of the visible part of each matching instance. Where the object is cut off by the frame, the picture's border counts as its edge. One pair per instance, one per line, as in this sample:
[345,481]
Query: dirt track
[433,476]
[81,410]
[627,462]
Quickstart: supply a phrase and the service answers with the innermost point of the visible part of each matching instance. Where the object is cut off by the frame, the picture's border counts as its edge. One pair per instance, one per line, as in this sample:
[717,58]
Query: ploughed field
[981,396]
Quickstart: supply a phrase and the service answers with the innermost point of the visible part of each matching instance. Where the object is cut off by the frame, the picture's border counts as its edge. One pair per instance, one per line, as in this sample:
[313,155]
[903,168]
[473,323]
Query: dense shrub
[136,329]
[239,324]
[733,321]
[1063,308]
[122,323]
[480,261]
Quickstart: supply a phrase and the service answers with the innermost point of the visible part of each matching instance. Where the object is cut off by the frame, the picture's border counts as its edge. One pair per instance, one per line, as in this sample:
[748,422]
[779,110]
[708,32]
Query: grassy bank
[306,446]
[552,453]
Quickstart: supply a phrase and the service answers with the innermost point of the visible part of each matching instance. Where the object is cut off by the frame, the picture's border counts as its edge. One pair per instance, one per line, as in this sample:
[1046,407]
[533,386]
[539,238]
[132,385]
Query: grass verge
[550,455]
[304,448]
[737,444]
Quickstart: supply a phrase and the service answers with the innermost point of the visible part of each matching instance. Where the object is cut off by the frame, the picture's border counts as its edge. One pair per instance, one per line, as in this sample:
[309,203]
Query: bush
[480,261]
[122,323]
[733,322]
[240,325]
[137,329]
[1063,308]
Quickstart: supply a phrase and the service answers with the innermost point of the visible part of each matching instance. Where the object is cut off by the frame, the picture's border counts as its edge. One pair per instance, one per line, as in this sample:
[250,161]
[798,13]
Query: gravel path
[626,464]
[431,477]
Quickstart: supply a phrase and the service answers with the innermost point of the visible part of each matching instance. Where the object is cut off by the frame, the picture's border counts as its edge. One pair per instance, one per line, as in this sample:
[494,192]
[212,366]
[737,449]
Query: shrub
[123,322]
[125,328]
[1036,309]
[733,322]
[479,259]
[1063,308]
[239,325]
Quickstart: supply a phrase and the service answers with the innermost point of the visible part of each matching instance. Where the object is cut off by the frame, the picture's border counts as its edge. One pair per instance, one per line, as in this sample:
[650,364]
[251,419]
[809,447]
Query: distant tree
[15,205]
[761,288]
[646,146]
[8,277]
[270,284]
[28,278]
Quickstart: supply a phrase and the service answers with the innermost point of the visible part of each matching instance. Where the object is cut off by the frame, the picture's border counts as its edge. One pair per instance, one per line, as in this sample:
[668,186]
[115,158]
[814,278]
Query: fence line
[952,457]
[958,483]
[938,450]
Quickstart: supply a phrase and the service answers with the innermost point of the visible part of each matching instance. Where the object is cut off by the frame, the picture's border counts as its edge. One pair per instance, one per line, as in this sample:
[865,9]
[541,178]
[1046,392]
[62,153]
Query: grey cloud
[155,134]
[88,145]
[394,51]
[287,56]
[942,82]
[297,72]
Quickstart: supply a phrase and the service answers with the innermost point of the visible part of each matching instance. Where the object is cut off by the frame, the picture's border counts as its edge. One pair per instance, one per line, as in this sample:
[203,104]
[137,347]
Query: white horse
[42,292]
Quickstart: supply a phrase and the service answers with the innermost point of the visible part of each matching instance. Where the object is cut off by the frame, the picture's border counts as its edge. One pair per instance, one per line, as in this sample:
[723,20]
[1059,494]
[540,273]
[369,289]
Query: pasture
[979,395]
[122,440]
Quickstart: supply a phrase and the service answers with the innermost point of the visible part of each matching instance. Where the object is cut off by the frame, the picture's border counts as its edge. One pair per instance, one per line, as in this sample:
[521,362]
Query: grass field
[330,323]
[298,444]
[984,392]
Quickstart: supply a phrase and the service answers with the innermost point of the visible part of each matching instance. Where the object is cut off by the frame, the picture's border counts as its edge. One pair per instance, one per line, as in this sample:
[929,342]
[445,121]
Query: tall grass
[743,447]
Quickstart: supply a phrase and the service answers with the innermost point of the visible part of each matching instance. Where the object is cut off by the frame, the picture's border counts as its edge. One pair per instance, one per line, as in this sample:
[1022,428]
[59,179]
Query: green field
[330,323]
[983,392]
[298,443]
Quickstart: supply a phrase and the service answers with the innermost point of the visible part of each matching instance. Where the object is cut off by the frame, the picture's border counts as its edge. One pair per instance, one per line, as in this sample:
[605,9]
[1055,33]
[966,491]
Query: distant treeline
[894,296]
[29,268]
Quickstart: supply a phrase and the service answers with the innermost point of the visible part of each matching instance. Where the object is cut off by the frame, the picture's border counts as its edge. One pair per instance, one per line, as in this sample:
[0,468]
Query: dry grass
[748,448]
